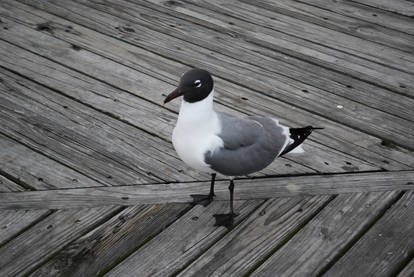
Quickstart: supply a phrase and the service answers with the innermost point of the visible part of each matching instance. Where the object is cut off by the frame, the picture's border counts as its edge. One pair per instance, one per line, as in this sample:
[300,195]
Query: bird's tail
[298,135]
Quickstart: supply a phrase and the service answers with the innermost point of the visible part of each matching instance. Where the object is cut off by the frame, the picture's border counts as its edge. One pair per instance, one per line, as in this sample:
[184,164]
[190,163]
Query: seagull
[216,142]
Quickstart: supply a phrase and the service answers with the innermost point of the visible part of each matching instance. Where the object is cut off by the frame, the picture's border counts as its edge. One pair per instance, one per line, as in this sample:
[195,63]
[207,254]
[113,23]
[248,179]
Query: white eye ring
[197,83]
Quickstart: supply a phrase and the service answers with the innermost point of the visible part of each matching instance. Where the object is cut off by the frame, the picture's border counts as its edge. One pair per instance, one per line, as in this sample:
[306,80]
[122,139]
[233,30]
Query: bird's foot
[202,199]
[225,220]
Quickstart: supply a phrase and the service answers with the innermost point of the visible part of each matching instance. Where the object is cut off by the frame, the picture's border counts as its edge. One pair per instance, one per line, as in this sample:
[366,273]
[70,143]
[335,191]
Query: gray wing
[250,144]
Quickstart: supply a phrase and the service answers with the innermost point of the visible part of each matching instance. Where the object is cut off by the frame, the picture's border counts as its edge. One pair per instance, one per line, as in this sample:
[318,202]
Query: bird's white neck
[200,111]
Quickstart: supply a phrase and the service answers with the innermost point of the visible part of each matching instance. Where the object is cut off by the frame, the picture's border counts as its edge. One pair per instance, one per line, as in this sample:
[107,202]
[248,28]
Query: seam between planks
[355,239]
[41,218]
[308,40]
[121,258]
[406,147]
[290,236]
[91,227]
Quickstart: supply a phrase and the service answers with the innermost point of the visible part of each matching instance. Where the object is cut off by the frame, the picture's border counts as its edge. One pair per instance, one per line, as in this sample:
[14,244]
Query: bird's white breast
[196,133]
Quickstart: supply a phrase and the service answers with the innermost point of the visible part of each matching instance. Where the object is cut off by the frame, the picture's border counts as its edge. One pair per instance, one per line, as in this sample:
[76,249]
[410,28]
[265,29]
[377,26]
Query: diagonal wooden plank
[384,247]
[30,248]
[33,168]
[260,188]
[257,38]
[181,242]
[403,7]
[342,221]
[323,159]
[309,12]
[364,13]
[223,65]
[95,252]
[337,136]
[119,140]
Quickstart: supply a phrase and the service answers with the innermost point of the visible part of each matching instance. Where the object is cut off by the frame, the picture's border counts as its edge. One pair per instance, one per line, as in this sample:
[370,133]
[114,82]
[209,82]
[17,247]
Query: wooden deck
[90,184]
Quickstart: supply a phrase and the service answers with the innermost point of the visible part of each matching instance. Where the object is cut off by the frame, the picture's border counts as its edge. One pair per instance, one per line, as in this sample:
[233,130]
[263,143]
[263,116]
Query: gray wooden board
[37,170]
[384,247]
[408,270]
[266,22]
[29,249]
[77,151]
[354,114]
[283,68]
[365,14]
[404,7]
[181,242]
[260,188]
[264,231]
[254,37]
[166,154]
[13,222]
[124,142]
[322,238]
[63,33]
[349,25]
[96,251]
[301,71]
[327,159]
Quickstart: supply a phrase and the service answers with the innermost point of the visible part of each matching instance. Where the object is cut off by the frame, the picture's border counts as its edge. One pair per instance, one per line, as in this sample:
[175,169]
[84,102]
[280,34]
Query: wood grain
[232,97]
[95,252]
[399,6]
[154,157]
[319,13]
[30,248]
[380,251]
[326,235]
[13,222]
[181,242]
[261,188]
[264,81]
[265,230]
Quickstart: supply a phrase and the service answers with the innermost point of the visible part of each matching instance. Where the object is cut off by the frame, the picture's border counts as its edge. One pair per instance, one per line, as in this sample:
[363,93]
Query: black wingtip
[317,128]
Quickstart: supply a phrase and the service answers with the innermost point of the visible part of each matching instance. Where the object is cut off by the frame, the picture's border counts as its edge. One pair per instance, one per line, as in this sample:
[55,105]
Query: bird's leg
[227,220]
[205,199]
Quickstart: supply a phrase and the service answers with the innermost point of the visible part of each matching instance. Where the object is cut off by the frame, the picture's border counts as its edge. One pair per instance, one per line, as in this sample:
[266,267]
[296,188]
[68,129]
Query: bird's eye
[197,83]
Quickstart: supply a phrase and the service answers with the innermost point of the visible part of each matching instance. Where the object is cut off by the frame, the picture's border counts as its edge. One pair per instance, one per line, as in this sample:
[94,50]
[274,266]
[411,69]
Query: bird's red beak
[176,93]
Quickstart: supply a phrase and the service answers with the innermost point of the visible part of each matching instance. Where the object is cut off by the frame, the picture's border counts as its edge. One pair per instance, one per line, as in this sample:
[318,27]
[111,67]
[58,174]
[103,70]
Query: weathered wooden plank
[324,237]
[402,7]
[253,34]
[126,143]
[13,222]
[29,249]
[326,158]
[355,114]
[264,231]
[8,185]
[365,13]
[62,30]
[381,250]
[77,151]
[125,53]
[307,31]
[37,170]
[269,60]
[408,270]
[181,242]
[95,252]
[308,12]
[260,188]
